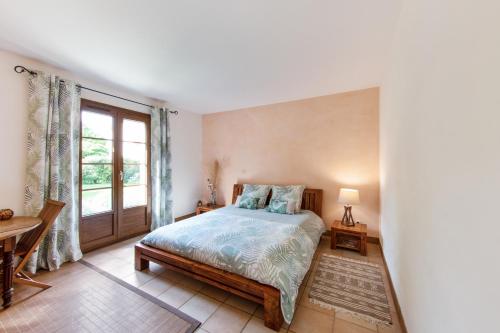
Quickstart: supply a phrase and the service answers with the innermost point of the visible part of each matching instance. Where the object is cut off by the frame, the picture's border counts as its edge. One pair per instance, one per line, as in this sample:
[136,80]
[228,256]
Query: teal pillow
[248,202]
[257,191]
[281,206]
[289,193]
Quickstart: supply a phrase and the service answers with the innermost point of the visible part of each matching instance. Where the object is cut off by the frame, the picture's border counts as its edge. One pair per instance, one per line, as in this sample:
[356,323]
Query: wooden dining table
[9,230]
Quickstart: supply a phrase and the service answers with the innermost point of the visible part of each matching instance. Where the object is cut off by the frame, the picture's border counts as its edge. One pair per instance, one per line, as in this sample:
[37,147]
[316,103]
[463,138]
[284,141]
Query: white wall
[186,162]
[186,135]
[440,165]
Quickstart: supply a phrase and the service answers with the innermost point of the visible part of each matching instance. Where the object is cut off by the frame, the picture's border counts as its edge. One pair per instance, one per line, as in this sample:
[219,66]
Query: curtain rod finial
[21,69]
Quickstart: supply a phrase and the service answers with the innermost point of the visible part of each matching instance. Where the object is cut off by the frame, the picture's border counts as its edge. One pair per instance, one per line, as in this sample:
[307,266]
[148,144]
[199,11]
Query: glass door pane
[135,164]
[97,163]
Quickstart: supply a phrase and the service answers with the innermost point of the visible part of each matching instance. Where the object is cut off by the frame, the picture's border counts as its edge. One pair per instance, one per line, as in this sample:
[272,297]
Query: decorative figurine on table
[6,214]
[212,184]
[212,192]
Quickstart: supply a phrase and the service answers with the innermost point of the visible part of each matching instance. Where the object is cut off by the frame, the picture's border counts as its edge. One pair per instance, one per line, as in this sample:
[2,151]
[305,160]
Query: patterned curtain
[53,165]
[161,172]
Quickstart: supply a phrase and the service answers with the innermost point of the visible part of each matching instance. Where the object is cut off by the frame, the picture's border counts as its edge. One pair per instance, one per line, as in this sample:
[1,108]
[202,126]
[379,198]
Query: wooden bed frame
[236,284]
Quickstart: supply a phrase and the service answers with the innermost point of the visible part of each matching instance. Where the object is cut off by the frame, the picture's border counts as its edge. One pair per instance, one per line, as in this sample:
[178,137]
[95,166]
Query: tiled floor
[221,312]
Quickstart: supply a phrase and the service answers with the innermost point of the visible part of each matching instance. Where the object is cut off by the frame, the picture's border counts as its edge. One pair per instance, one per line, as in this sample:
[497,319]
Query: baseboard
[183,217]
[393,292]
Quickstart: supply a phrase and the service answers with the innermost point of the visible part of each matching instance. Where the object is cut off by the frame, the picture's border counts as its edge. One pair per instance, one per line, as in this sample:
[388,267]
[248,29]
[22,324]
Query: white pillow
[291,207]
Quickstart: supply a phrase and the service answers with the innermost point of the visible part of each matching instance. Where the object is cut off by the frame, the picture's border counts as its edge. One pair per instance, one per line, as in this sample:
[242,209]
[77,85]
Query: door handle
[121,175]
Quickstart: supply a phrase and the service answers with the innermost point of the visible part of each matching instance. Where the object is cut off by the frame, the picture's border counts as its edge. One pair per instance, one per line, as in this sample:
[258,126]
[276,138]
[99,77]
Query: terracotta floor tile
[307,320]
[157,286]
[376,260]
[394,328]
[111,264]
[138,278]
[226,320]
[122,270]
[374,250]
[360,322]
[342,326]
[124,253]
[200,307]
[176,295]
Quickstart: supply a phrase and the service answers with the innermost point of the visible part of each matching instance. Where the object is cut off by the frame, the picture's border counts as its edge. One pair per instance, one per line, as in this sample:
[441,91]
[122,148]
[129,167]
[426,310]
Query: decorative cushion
[289,193]
[257,191]
[281,206]
[245,201]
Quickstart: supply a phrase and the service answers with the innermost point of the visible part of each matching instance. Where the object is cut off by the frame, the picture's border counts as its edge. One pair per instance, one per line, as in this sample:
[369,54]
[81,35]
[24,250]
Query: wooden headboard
[312,199]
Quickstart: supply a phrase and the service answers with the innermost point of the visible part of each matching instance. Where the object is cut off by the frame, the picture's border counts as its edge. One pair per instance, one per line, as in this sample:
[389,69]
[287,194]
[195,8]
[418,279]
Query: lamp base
[347,219]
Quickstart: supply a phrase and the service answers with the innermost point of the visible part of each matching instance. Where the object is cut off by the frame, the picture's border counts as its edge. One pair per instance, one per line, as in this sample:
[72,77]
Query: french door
[115,191]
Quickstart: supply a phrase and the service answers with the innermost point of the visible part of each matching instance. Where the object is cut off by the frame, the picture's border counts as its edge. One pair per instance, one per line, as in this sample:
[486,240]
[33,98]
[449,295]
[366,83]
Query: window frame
[98,108]
[118,212]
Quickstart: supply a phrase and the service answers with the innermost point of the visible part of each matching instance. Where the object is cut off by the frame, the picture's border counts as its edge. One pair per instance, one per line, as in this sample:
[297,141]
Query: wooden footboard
[236,284]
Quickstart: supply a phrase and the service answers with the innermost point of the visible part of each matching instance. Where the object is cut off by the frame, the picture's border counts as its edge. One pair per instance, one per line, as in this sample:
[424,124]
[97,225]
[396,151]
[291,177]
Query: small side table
[206,208]
[8,231]
[353,238]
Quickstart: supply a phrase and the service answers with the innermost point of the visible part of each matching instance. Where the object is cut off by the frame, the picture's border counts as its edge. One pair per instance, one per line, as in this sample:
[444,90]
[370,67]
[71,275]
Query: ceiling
[209,56]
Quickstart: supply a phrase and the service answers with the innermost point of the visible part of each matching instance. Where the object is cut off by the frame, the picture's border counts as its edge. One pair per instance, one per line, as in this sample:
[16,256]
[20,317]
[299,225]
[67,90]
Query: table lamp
[348,197]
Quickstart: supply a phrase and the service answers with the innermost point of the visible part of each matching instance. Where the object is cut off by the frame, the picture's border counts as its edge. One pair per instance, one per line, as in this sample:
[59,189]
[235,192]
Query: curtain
[161,172]
[53,165]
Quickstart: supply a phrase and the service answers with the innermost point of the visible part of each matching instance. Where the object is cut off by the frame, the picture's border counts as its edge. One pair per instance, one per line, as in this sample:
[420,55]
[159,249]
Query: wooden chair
[30,240]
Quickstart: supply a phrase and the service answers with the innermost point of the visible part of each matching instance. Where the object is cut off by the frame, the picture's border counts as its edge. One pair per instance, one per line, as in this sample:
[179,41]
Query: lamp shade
[348,196]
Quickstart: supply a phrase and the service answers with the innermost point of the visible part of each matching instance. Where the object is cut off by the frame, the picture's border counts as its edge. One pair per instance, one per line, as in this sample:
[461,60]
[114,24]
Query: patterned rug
[351,286]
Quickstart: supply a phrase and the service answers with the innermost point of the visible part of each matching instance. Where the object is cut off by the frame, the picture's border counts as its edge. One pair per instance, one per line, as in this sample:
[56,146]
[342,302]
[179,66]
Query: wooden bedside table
[206,208]
[353,238]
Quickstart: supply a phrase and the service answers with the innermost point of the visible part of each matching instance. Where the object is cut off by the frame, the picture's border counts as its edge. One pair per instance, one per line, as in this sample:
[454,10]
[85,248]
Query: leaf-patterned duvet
[274,249]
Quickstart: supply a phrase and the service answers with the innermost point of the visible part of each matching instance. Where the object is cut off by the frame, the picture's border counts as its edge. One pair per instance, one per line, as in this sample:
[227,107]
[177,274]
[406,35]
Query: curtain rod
[21,69]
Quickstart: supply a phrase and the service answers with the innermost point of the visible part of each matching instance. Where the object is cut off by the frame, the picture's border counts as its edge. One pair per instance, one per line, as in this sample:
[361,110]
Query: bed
[257,255]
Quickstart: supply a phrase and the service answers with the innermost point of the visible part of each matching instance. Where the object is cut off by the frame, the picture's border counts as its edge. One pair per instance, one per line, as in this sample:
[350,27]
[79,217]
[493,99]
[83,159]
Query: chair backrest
[31,239]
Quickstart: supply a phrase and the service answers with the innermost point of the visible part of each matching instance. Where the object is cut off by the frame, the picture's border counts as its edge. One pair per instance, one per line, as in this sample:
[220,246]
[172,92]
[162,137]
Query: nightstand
[206,208]
[353,238]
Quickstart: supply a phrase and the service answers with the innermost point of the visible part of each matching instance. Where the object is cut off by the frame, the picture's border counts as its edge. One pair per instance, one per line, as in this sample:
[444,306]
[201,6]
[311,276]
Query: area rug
[351,286]
[84,298]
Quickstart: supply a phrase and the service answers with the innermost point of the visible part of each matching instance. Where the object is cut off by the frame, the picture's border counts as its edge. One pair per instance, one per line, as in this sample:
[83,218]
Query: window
[97,163]
[115,187]
[134,163]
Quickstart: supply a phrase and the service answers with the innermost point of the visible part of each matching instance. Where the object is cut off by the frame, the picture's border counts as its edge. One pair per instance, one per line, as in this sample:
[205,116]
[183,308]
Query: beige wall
[440,165]
[185,128]
[325,142]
